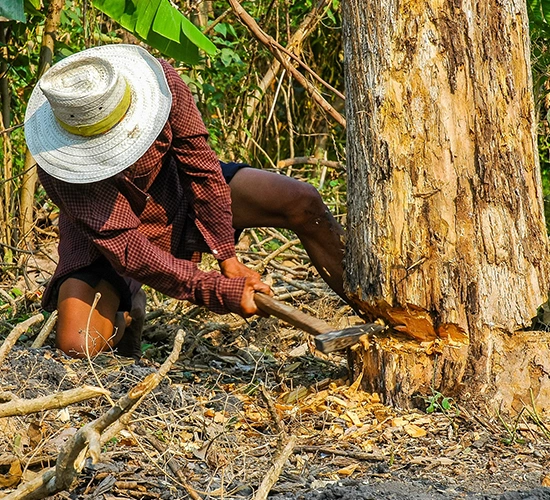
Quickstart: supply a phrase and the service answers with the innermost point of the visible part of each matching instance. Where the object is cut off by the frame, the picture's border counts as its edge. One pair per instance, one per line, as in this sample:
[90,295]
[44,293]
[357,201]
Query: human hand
[232,268]
[248,304]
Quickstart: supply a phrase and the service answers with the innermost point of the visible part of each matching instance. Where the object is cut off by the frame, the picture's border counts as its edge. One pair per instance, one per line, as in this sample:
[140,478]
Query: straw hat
[96,112]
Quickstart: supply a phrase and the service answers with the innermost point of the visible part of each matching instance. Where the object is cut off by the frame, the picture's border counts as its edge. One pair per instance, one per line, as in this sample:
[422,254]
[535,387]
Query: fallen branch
[262,265]
[357,455]
[275,471]
[309,160]
[71,458]
[174,466]
[17,406]
[46,330]
[14,335]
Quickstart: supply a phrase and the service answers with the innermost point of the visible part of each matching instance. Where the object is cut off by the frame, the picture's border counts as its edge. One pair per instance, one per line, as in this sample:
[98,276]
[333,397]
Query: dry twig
[175,467]
[18,406]
[45,331]
[275,471]
[71,457]
[21,328]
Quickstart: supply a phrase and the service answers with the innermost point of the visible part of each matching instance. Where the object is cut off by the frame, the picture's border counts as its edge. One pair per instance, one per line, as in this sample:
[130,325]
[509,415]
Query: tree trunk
[30,175]
[7,160]
[446,241]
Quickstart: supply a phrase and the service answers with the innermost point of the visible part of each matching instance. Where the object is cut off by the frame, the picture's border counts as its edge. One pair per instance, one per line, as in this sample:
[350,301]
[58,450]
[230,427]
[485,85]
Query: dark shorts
[230,169]
[101,268]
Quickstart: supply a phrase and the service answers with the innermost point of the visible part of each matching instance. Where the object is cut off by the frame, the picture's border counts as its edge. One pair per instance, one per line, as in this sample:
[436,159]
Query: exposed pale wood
[404,372]
[14,335]
[520,370]
[18,406]
[445,223]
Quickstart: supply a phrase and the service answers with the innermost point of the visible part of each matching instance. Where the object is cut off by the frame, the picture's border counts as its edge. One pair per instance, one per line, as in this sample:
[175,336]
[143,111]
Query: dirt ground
[239,393]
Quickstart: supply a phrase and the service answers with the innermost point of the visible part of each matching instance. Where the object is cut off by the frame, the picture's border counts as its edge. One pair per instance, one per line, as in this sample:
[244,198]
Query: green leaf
[13,10]
[113,8]
[167,21]
[221,29]
[196,36]
[159,24]
[183,51]
[146,13]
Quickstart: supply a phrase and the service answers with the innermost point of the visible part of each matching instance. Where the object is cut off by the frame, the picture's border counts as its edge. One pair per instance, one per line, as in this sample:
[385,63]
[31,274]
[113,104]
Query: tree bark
[30,175]
[446,232]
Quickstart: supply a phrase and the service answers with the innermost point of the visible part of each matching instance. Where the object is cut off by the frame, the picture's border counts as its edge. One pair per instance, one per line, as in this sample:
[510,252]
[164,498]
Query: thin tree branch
[18,406]
[14,335]
[70,459]
[277,50]
[308,160]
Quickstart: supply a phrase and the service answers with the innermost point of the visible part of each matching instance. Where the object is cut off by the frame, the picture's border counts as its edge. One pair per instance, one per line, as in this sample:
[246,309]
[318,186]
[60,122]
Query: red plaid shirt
[149,219]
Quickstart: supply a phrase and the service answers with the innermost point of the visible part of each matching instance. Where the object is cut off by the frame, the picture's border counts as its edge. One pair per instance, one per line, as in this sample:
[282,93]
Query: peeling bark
[445,198]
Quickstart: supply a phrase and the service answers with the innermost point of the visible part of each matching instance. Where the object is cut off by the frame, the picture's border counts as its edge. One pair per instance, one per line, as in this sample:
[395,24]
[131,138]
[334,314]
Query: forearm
[139,259]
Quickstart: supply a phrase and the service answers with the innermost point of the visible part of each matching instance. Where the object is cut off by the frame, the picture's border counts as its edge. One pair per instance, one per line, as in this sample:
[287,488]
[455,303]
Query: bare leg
[74,306]
[265,199]
[107,325]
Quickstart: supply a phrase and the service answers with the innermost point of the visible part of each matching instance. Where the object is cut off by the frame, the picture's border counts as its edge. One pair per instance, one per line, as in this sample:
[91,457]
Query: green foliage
[161,25]
[439,402]
[13,9]
[539,19]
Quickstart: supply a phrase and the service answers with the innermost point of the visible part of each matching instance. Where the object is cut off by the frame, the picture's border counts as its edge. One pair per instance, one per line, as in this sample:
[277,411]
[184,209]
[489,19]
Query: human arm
[100,214]
[205,188]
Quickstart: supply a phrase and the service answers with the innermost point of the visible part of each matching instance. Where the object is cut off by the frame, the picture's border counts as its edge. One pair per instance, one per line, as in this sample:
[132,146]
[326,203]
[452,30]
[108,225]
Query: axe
[327,339]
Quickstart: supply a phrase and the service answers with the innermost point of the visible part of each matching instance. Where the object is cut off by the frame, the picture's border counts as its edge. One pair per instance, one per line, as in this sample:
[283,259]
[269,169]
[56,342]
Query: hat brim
[79,160]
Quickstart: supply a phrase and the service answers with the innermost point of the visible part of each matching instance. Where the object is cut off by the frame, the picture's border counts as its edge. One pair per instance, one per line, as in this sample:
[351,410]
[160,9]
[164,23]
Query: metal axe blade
[327,339]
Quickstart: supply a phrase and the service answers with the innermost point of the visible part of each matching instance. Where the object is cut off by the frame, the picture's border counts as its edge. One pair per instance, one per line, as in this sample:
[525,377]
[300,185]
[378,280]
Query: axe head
[340,339]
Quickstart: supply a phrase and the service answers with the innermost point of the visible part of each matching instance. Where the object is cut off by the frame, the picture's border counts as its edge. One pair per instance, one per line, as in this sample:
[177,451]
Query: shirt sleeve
[104,216]
[205,187]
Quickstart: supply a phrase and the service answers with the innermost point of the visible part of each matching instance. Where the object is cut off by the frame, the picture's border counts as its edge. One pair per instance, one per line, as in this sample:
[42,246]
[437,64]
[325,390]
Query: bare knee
[85,328]
[306,208]
[81,343]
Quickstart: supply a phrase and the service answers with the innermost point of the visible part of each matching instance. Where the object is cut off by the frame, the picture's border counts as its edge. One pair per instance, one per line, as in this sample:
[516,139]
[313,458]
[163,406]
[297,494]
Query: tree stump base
[519,371]
[513,372]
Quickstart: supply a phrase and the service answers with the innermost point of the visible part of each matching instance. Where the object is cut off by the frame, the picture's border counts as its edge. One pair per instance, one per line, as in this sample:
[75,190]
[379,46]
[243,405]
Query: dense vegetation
[251,118]
[280,123]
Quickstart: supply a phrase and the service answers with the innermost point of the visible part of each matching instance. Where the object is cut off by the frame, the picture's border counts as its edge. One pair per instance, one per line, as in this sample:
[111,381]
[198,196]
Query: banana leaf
[159,24]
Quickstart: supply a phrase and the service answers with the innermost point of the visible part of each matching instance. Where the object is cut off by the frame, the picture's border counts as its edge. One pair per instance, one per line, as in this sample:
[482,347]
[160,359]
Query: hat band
[106,123]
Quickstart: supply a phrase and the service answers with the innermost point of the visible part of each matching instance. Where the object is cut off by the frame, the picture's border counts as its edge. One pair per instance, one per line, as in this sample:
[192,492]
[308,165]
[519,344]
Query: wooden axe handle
[296,318]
